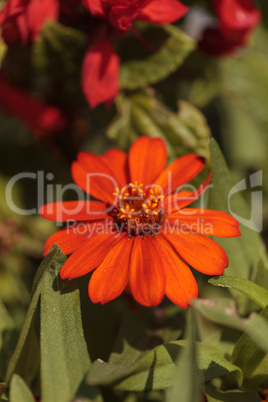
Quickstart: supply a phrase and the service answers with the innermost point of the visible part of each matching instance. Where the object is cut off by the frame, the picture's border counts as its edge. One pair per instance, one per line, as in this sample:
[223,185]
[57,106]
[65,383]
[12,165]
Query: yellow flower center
[138,210]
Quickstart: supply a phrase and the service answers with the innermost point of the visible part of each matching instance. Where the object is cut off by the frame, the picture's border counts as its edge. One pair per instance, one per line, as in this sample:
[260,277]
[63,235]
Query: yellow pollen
[138,212]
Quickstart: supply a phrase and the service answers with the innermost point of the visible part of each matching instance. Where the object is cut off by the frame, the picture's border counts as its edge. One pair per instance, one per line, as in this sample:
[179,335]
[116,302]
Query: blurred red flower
[22,20]
[236,20]
[43,119]
[139,232]
[100,73]
[121,13]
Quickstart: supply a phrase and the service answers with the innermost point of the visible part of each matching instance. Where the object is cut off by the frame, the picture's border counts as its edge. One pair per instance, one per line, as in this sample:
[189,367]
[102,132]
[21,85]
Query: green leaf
[142,114]
[187,377]
[138,74]
[156,370]
[59,51]
[255,326]
[255,292]
[64,355]
[136,337]
[3,50]
[19,391]
[26,350]
[247,354]
[214,395]
[58,41]
[243,252]
[8,334]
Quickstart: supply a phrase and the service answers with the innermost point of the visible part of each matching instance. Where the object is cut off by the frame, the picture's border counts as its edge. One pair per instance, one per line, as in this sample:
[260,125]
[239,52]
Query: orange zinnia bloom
[140,232]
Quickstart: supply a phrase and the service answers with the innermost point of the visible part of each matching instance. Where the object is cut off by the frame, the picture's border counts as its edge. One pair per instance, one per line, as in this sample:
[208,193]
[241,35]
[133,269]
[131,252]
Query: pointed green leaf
[156,369]
[141,73]
[187,379]
[255,292]
[255,326]
[214,395]
[64,355]
[242,251]
[19,391]
[26,345]
[247,354]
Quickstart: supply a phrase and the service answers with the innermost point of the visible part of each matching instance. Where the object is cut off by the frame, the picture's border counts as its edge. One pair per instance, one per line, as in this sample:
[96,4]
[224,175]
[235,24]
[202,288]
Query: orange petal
[64,211]
[71,237]
[182,198]
[202,253]
[181,285]
[147,274]
[205,221]
[147,159]
[94,176]
[111,277]
[89,256]
[180,172]
[117,160]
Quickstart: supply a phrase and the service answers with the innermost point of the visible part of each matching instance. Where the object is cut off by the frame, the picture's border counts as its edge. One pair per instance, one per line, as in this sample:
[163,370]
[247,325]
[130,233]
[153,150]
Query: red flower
[22,20]
[140,232]
[38,116]
[100,73]
[236,19]
[121,13]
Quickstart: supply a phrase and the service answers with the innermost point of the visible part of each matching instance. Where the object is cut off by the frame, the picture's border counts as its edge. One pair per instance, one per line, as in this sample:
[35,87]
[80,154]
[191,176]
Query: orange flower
[140,232]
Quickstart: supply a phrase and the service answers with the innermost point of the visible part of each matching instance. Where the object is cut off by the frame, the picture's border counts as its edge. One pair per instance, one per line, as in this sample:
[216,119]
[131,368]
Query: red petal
[121,17]
[111,277]
[65,211]
[89,255]
[93,175]
[117,161]
[11,9]
[38,12]
[34,113]
[200,252]
[181,199]
[205,221]
[181,285]
[96,7]
[100,72]
[147,159]
[237,15]
[163,11]
[180,172]
[147,274]
[73,236]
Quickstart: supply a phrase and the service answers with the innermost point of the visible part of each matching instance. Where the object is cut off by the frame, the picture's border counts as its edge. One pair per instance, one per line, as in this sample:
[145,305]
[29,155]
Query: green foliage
[255,292]
[19,390]
[219,347]
[255,326]
[64,356]
[138,74]
[243,252]
[142,114]
[156,369]
[3,50]
[187,379]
